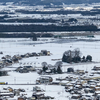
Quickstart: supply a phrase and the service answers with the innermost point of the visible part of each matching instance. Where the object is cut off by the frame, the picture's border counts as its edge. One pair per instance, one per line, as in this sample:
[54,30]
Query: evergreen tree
[59,71]
[83,59]
[45,68]
[89,58]
[54,71]
[70,70]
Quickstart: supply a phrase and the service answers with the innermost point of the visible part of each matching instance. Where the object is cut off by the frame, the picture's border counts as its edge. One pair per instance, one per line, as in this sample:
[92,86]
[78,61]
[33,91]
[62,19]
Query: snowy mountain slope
[47,2]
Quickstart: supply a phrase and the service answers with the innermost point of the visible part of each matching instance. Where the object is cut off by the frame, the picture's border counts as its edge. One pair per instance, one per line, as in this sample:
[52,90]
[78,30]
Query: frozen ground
[22,46]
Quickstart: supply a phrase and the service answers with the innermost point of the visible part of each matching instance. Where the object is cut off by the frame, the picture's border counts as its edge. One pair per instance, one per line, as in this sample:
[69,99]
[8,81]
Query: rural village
[79,84]
[49,51]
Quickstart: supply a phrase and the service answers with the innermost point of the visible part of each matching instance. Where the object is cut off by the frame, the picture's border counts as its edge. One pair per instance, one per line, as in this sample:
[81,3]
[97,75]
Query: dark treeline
[24,35]
[21,35]
[28,20]
[45,28]
[15,35]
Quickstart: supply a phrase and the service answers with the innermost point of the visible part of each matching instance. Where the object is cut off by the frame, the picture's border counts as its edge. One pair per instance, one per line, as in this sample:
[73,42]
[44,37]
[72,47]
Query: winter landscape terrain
[22,46]
[52,51]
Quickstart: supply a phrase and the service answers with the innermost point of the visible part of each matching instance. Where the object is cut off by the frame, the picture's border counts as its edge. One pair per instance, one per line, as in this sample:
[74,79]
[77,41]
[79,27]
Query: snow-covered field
[22,46]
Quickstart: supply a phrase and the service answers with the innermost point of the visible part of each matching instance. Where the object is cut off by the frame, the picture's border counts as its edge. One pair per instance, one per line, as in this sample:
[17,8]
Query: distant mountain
[48,2]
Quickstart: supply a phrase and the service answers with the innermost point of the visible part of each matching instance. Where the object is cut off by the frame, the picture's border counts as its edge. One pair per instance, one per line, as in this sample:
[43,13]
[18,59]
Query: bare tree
[59,63]
[44,64]
[77,52]
[50,66]
[71,56]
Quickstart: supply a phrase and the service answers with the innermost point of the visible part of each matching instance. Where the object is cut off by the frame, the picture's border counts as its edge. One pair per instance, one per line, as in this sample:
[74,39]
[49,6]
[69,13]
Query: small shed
[21,98]
[75,97]
[44,79]
[45,52]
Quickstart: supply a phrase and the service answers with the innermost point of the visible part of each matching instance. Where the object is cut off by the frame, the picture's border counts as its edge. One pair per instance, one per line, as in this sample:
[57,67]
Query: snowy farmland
[56,47]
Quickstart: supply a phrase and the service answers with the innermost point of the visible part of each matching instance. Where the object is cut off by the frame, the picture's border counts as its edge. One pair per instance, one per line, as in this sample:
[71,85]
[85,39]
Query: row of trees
[3,73]
[19,35]
[45,28]
[48,68]
[53,70]
[28,20]
[75,56]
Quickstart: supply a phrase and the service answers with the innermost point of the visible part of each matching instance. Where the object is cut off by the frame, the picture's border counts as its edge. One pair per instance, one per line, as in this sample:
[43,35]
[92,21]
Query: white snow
[21,46]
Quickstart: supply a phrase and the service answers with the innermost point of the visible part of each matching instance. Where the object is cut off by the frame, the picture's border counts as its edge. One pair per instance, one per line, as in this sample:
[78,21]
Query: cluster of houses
[83,89]
[80,85]
[76,83]
[95,70]
[44,80]
[37,94]
[25,69]
[10,93]
[7,60]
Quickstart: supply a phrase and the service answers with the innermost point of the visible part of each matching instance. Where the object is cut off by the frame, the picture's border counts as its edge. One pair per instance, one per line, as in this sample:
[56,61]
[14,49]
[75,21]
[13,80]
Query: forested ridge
[47,2]
[45,28]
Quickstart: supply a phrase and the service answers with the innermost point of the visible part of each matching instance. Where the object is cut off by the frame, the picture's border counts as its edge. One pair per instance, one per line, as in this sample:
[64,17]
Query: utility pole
[14,80]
